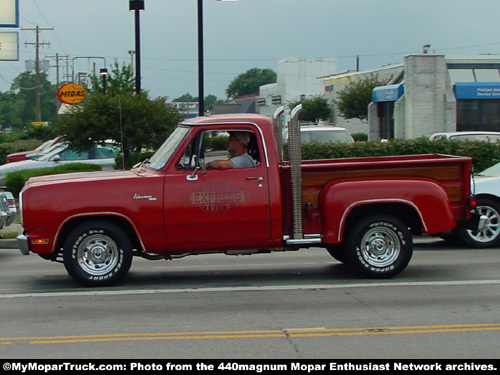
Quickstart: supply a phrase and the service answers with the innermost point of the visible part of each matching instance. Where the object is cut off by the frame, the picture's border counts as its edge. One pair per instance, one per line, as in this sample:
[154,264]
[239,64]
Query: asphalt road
[293,305]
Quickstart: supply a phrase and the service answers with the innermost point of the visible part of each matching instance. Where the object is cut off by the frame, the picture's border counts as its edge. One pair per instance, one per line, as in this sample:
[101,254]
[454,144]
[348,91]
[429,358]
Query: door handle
[255,178]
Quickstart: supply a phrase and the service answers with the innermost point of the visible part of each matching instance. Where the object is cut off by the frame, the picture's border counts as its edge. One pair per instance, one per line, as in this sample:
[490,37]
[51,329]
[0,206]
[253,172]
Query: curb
[9,244]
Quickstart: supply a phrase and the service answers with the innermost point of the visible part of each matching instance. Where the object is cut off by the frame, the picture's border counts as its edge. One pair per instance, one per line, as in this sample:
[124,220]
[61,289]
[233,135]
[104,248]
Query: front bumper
[22,240]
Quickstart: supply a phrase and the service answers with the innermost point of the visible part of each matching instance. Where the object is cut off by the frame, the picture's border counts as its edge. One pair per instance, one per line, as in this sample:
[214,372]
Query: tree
[120,114]
[354,99]
[313,109]
[17,107]
[249,82]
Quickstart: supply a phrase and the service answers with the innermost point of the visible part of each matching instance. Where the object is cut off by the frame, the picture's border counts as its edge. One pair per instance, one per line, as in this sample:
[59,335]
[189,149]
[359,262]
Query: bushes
[16,180]
[483,154]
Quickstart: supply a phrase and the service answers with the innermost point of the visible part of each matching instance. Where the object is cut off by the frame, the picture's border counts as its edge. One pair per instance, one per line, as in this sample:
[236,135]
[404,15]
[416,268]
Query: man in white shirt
[237,144]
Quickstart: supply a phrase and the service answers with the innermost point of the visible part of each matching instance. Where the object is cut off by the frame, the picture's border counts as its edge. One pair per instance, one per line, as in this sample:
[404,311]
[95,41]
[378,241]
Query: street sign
[71,93]
[9,13]
[9,46]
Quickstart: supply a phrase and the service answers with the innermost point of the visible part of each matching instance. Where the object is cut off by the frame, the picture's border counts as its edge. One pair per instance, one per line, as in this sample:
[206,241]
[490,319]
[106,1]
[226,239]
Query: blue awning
[389,93]
[477,90]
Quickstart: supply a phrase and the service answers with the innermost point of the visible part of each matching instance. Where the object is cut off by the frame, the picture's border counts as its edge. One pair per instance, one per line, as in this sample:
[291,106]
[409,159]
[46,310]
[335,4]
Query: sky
[244,34]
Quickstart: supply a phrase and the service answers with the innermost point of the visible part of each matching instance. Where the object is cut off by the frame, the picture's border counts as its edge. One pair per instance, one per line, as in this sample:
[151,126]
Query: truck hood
[79,176]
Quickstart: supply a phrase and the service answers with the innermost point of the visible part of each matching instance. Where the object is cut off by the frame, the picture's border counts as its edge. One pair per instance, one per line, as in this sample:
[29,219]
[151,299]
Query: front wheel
[97,253]
[379,246]
[490,235]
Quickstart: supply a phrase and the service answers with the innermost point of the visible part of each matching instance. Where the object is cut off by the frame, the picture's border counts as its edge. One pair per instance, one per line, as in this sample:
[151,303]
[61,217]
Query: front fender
[427,198]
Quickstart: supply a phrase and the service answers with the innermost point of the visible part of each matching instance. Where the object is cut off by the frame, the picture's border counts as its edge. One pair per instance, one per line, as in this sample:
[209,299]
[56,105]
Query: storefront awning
[477,90]
[389,93]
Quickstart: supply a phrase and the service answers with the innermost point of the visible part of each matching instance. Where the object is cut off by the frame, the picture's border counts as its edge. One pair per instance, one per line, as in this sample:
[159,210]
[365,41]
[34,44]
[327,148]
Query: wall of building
[338,82]
[297,79]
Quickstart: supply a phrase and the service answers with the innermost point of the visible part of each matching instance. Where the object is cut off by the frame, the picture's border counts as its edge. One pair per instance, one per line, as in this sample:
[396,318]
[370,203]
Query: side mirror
[56,158]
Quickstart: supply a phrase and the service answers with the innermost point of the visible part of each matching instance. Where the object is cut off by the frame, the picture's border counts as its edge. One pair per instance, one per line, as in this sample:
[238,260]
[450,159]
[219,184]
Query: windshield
[160,158]
[493,171]
[53,151]
[325,136]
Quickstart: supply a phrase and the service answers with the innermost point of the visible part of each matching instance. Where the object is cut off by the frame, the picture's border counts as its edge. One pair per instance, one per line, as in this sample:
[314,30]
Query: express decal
[218,197]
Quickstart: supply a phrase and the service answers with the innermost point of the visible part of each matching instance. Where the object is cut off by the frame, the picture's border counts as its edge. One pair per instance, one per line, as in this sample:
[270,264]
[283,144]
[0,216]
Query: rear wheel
[379,246]
[97,253]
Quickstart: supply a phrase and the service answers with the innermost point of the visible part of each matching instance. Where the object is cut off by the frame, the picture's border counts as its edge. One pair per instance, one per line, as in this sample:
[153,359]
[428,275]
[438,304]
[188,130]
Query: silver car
[100,154]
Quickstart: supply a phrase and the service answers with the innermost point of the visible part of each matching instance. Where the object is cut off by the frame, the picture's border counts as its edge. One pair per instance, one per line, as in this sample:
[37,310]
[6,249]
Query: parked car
[33,154]
[468,136]
[100,154]
[487,188]
[7,213]
[322,133]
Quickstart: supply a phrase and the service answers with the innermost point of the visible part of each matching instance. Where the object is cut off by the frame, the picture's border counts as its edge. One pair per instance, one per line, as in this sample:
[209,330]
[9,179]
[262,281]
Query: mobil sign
[71,93]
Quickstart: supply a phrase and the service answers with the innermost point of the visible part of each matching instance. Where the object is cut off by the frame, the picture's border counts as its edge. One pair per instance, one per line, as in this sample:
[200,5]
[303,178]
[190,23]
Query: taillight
[472,201]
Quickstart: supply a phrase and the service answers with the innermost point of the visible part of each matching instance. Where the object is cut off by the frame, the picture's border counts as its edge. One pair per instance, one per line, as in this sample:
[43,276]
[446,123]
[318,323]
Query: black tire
[337,252]
[97,253]
[490,236]
[379,246]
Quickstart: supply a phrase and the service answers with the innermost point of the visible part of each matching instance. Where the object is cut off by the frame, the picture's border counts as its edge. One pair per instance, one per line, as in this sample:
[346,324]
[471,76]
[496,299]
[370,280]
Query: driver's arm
[220,164]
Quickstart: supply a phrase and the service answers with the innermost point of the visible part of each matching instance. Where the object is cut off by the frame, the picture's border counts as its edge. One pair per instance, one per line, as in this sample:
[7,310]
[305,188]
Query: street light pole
[201,86]
[137,6]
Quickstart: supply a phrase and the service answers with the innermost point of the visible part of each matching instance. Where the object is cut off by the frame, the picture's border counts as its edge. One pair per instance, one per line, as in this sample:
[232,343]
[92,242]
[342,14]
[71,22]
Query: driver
[238,145]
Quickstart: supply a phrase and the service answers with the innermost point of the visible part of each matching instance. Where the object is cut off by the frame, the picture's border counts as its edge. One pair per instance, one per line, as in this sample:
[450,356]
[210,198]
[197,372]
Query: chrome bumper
[22,240]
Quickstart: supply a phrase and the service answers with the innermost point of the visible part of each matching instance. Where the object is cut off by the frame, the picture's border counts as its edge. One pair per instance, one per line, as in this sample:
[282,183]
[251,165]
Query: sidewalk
[10,243]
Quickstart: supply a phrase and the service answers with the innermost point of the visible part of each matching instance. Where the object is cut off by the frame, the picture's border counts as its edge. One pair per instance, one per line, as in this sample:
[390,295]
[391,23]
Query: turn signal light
[41,241]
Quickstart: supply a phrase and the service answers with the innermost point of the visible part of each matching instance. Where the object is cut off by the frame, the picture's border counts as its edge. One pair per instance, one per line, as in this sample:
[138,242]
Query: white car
[487,191]
[322,133]
[484,136]
[100,154]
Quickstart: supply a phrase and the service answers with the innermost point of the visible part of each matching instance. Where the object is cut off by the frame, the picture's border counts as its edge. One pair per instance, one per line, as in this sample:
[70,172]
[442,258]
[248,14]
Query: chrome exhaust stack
[278,131]
[295,157]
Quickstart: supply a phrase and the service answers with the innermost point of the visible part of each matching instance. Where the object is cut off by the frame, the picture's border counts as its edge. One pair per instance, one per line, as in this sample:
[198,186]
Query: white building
[297,79]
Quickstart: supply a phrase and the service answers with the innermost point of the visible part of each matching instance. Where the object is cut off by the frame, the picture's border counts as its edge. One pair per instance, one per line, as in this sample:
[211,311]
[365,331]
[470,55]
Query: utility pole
[58,57]
[37,45]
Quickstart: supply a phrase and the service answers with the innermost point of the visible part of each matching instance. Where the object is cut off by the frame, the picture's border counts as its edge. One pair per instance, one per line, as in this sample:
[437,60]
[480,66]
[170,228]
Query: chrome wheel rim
[98,255]
[492,227]
[380,247]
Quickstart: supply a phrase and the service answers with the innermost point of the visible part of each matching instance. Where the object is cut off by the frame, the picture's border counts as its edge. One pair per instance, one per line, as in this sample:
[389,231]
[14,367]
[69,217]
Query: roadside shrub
[483,154]
[15,180]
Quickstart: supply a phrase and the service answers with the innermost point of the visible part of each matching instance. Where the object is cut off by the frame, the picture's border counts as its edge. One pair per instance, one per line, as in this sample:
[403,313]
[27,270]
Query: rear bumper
[476,223]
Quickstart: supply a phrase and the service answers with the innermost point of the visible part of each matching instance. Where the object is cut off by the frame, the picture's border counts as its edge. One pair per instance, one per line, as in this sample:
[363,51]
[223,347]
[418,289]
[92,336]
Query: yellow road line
[301,332]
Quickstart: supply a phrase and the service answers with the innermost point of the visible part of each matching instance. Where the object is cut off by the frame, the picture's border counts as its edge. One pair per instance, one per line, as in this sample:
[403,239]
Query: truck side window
[214,146]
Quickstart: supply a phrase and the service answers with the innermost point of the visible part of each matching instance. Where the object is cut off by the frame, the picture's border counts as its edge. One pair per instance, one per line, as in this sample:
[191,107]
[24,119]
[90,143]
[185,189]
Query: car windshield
[493,171]
[54,151]
[325,136]
[160,158]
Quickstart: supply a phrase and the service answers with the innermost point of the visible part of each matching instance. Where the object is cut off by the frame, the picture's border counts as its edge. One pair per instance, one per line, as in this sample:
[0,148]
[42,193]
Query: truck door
[218,208]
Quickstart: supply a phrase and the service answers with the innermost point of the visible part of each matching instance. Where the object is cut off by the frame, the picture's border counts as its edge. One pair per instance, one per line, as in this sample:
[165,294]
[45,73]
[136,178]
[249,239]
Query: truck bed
[446,169]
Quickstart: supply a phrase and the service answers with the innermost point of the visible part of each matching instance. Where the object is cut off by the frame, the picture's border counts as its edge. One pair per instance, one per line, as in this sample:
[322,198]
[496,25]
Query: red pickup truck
[364,211]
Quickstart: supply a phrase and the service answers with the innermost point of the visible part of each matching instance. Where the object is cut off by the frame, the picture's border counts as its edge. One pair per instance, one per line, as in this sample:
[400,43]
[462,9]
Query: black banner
[251,366]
